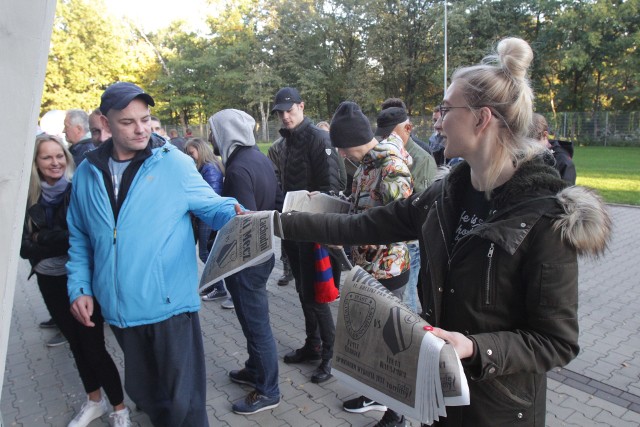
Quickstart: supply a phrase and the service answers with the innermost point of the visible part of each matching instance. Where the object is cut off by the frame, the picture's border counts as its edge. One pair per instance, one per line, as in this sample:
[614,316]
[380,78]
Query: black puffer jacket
[50,242]
[308,162]
[511,284]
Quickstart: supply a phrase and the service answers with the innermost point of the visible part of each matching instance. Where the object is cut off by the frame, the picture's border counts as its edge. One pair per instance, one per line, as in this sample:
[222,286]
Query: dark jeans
[319,326]
[165,370]
[95,365]
[248,288]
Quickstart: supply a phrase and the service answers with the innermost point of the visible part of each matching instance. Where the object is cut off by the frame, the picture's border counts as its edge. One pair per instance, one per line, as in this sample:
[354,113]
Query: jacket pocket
[505,391]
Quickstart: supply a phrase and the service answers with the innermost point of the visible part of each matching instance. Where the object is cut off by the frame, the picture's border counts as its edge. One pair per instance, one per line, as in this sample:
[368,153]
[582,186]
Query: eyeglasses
[444,110]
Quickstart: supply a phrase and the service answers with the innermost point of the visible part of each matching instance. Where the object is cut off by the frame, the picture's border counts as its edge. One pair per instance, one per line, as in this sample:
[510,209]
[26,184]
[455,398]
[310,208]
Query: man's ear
[105,123]
[301,105]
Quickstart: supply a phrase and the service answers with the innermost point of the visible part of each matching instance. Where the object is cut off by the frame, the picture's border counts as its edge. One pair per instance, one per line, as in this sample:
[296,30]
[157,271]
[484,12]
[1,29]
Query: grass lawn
[613,171]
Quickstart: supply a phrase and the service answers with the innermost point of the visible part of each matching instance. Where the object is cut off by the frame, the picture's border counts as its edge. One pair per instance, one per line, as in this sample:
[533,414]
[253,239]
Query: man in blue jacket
[132,249]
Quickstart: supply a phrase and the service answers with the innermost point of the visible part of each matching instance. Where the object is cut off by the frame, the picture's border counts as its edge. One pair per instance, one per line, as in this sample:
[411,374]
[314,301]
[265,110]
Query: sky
[155,14]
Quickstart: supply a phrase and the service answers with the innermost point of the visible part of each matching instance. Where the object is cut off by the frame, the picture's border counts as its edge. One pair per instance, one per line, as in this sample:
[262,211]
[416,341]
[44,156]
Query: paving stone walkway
[601,387]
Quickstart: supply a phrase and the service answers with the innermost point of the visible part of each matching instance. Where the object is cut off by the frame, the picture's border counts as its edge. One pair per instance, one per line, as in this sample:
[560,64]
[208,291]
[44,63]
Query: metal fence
[603,128]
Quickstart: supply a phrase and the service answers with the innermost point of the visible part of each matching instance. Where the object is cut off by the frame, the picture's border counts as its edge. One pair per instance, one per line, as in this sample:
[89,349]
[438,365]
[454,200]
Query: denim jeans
[248,288]
[411,290]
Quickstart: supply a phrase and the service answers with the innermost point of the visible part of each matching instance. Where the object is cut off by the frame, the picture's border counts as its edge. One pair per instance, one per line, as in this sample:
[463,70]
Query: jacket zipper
[487,288]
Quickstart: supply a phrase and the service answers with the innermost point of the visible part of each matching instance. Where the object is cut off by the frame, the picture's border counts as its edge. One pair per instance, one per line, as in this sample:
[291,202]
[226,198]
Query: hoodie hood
[232,129]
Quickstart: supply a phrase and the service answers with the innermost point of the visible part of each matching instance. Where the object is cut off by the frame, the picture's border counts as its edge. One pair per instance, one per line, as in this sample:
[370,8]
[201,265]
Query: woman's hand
[462,344]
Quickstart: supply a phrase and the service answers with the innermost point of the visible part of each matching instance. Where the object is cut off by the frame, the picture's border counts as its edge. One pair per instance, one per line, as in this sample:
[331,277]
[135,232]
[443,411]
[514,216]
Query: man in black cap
[132,250]
[307,162]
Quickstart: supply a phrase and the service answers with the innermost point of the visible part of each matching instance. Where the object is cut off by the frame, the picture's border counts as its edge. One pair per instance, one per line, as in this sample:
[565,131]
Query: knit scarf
[52,196]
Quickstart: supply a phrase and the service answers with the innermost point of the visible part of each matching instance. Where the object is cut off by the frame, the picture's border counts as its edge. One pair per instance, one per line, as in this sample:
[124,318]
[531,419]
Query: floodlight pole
[445,47]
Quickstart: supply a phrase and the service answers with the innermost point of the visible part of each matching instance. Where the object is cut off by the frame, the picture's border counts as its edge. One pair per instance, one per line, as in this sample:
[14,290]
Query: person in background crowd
[45,241]
[252,181]
[501,235]
[98,132]
[156,127]
[562,151]
[307,162]
[273,153]
[131,247]
[176,139]
[212,171]
[323,125]
[76,131]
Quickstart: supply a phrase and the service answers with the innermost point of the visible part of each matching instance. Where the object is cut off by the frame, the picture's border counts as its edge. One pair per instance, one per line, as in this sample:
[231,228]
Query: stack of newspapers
[383,351]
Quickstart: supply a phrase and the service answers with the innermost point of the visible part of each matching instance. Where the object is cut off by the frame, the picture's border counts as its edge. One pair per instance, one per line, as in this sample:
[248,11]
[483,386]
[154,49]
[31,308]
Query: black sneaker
[48,324]
[304,354]
[362,404]
[215,294]
[242,376]
[391,419]
[285,279]
[254,403]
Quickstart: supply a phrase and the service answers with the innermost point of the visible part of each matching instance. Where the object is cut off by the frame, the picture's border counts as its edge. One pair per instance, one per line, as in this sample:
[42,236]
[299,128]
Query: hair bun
[515,56]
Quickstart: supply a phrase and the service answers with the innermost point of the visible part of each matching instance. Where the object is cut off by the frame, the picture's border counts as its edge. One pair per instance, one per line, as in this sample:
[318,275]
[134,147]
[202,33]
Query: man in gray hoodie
[251,179]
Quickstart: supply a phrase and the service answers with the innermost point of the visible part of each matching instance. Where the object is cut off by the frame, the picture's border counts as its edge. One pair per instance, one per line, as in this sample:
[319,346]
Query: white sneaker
[89,411]
[121,418]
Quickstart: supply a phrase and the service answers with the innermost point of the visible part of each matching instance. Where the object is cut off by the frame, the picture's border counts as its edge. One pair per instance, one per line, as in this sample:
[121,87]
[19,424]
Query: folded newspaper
[244,241]
[304,201]
[382,351]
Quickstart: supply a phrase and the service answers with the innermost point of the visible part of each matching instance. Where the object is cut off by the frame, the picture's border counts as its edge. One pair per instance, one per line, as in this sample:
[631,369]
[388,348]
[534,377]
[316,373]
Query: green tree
[89,51]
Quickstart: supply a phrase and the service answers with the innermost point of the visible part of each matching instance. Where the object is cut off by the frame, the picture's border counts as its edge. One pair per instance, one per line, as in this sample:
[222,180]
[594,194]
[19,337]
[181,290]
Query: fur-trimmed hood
[584,220]
[586,223]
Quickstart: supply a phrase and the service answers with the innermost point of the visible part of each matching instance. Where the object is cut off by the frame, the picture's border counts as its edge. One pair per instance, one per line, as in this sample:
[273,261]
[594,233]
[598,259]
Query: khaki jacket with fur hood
[511,284]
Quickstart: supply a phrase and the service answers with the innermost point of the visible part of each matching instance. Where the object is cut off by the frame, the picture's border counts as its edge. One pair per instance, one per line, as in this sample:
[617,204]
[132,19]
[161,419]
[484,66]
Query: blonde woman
[45,242]
[500,236]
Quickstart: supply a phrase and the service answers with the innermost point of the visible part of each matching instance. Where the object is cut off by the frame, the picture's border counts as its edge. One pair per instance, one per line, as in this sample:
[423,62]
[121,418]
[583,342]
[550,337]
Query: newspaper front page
[244,241]
[382,350]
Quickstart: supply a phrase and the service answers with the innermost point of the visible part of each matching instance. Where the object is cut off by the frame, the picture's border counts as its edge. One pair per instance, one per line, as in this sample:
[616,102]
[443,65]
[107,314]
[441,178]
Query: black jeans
[319,326]
[95,365]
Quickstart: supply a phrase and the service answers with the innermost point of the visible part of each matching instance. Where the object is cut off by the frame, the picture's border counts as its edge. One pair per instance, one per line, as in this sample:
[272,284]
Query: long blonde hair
[500,82]
[35,185]
[205,153]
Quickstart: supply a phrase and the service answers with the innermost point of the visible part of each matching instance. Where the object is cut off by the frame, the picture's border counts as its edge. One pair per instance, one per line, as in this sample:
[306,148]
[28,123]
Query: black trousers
[95,365]
[165,370]
[319,326]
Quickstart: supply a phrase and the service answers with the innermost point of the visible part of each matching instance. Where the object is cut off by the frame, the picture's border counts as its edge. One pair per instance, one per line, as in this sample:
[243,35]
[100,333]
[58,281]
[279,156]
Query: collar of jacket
[518,206]
[100,156]
[293,133]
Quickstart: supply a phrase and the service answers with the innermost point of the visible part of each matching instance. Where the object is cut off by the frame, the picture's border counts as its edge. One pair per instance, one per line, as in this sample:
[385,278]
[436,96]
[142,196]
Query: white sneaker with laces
[89,411]
[121,418]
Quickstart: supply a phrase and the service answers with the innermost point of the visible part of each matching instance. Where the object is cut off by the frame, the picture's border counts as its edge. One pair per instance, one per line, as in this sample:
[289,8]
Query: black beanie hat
[388,119]
[349,126]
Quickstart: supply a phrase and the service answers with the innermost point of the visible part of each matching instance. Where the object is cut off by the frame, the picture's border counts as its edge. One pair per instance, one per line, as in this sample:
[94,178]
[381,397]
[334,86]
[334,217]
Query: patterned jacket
[382,177]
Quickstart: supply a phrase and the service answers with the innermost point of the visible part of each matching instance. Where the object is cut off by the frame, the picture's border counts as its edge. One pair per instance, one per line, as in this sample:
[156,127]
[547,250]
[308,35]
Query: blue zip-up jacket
[136,256]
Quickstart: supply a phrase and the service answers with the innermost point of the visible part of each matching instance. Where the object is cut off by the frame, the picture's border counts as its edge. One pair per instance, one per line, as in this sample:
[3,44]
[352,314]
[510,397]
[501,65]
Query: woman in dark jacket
[499,239]
[212,171]
[45,241]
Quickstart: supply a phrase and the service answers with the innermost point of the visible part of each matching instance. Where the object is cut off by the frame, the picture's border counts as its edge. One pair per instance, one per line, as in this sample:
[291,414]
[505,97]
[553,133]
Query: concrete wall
[25,33]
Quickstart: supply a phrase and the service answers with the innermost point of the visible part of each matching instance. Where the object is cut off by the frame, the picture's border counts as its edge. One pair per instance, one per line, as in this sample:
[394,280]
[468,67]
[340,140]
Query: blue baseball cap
[120,94]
